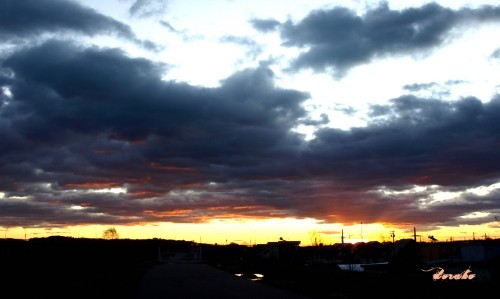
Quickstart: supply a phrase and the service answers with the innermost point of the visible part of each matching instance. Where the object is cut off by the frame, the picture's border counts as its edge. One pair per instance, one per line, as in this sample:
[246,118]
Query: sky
[249,121]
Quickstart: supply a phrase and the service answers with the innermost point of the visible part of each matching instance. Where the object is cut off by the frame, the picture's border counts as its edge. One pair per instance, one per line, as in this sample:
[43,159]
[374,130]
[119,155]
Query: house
[281,250]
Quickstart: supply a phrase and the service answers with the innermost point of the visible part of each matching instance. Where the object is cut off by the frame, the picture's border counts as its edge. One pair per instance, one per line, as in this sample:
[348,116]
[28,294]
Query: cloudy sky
[150,113]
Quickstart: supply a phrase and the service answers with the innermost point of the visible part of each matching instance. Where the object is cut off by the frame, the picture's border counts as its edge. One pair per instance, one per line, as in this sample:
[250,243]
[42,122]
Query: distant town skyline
[235,120]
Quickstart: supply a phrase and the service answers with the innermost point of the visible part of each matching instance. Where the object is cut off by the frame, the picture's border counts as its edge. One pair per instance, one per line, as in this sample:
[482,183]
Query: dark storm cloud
[91,90]
[29,18]
[77,121]
[412,141]
[21,20]
[425,135]
[83,118]
[339,39]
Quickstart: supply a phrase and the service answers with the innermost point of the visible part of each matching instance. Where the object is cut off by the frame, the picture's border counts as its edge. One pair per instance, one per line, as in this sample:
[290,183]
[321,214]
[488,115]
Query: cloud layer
[338,39]
[90,134]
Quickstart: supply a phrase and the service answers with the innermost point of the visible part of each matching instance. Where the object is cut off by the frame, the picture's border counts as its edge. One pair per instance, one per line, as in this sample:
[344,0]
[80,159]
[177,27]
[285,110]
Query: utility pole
[415,235]
[393,235]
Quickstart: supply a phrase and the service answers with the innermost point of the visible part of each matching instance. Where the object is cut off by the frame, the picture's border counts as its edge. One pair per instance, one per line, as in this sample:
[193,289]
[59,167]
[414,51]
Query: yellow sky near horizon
[307,231]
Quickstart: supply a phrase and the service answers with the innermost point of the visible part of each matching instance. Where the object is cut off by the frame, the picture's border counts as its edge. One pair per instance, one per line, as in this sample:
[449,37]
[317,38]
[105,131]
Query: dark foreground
[326,281]
[128,269]
[179,281]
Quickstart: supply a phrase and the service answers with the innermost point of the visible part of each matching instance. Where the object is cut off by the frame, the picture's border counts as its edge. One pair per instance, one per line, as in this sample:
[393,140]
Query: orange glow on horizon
[249,231]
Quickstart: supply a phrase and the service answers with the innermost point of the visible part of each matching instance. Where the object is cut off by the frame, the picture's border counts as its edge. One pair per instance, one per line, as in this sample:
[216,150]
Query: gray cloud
[87,119]
[254,49]
[82,120]
[424,135]
[31,19]
[339,39]
[147,8]
[168,26]
[412,141]
[266,25]
[496,53]
[419,86]
[98,111]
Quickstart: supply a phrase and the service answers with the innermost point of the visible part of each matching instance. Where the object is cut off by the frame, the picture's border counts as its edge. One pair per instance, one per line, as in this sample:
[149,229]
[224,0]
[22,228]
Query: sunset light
[249,122]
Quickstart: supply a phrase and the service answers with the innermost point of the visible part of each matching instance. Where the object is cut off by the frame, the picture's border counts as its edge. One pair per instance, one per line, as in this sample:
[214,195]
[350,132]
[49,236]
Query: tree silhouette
[110,233]
[316,238]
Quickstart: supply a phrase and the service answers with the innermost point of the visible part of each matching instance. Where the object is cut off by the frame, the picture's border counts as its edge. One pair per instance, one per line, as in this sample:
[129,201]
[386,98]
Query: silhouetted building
[281,250]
